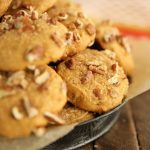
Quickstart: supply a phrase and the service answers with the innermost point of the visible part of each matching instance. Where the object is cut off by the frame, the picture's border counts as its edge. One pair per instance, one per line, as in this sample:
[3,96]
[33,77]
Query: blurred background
[126,11]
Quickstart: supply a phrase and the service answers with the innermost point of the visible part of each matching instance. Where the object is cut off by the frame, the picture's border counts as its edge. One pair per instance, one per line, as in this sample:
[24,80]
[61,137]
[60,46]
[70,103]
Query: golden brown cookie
[71,114]
[4,4]
[30,100]
[81,29]
[110,38]
[40,5]
[95,81]
[28,38]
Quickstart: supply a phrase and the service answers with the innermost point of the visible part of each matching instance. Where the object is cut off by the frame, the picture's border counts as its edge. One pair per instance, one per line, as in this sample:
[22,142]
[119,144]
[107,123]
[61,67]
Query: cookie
[81,29]
[30,99]
[95,81]
[110,38]
[28,38]
[71,114]
[40,6]
[4,4]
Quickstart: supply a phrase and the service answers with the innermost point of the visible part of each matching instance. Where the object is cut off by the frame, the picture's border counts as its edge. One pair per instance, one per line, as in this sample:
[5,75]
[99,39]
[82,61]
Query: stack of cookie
[37,37]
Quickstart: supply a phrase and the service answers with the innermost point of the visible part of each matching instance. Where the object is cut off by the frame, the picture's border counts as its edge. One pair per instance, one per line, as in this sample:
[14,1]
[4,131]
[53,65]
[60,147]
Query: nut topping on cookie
[78,24]
[69,38]
[6,92]
[54,118]
[69,64]
[16,113]
[39,131]
[114,79]
[97,92]
[123,41]
[62,16]
[90,29]
[35,54]
[18,79]
[57,39]
[87,77]
[115,67]
[101,69]
[76,37]
[72,26]
[42,78]
[111,36]
[31,111]
[53,21]
[110,54]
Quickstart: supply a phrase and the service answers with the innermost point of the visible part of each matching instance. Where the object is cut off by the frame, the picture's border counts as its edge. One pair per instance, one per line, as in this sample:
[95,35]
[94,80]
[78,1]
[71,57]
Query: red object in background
[135,31]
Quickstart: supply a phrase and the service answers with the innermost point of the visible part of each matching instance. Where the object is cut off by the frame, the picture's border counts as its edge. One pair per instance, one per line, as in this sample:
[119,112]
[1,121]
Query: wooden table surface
[132,130]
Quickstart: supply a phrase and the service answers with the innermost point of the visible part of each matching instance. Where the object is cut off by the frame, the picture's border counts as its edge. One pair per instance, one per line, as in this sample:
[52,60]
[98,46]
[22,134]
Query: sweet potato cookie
[30,99]
[81,29]
[110,38]
[4,4]
[27,38]
[71,114]
[39,5]
[95,81]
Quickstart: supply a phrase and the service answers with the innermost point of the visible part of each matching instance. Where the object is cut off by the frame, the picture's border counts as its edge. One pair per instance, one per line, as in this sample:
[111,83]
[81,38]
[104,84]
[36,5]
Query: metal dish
[88,131]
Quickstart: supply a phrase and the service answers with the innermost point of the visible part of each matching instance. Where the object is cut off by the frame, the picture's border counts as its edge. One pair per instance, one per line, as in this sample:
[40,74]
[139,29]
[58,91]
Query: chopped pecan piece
[87,77]
[35,54]
[16,113]
[42,78]
[31,111]
[54,118]
[90,29]
[97,92]
[69,64]
[57,39]
[101,69]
